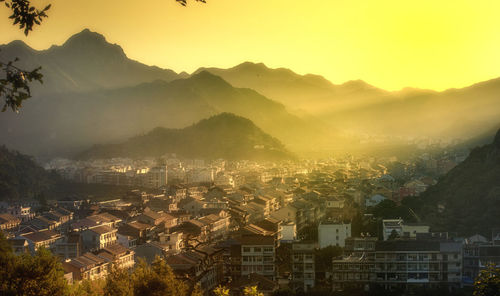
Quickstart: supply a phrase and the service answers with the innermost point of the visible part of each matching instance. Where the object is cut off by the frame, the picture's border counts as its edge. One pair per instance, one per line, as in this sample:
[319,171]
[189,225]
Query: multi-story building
[9,222]
[254,254]
[99,237]
[400,229]
[303,267]
[403,264]
[356,246]
[119,255]
[87,267]
[331,233]
[45,238]
[69,247]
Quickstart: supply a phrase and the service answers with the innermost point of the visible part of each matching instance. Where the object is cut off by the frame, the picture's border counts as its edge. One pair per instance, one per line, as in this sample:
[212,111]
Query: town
[301,226]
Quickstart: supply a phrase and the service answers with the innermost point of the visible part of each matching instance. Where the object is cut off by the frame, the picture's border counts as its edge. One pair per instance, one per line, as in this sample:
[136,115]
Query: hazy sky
[388,43]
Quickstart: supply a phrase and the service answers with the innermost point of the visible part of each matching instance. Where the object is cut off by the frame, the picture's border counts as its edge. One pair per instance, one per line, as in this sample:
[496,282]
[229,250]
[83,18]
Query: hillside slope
[222,136]
[467,199]
[21,177]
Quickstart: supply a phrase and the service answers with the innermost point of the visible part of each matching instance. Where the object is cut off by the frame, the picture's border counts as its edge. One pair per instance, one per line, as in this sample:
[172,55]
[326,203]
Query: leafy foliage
[21,177]
[25,15]
[14,83]
[184,2]
[467,199]
[323,257]
[14,87]
[488,282]
[41,274]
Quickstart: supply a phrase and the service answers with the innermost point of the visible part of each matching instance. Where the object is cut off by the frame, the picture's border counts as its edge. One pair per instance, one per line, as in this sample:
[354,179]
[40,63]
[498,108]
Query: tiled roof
[41,236]
[102,229]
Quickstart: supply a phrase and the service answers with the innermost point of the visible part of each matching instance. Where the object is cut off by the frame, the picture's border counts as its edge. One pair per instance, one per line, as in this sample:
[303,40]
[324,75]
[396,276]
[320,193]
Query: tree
[323,257]
[14,81]
[488,281]
[118,283]
[41,274]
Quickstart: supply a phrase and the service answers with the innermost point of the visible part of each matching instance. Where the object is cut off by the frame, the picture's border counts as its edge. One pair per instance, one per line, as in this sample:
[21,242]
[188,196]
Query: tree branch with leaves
[15,82]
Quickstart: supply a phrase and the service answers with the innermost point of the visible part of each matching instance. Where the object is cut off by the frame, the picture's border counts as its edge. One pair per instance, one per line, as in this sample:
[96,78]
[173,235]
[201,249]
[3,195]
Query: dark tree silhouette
[14,82]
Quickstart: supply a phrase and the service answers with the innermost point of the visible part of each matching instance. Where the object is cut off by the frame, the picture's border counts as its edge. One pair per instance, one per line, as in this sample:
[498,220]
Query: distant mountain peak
[207,77]
[251,66]
[17,47]
[92,42]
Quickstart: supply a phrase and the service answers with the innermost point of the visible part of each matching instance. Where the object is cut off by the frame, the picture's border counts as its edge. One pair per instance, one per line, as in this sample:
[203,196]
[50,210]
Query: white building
[289,232]
[333,234]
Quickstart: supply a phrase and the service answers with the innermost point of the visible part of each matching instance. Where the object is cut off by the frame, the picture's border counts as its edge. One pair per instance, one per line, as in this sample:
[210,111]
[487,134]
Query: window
[257,249]
[246,249]
[268,250]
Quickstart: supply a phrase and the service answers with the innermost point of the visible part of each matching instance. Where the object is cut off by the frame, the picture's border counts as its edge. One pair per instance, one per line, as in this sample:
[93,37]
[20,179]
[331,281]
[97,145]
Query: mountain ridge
[220,136]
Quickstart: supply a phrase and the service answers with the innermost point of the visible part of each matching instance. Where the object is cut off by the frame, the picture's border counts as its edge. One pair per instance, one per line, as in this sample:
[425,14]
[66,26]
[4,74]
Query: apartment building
[303,267]
[254,254]
[402,264]
[331,233]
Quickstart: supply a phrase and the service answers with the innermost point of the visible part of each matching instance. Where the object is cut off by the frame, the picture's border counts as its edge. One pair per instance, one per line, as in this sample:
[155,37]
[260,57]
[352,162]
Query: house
[9,222]
[98,237]
[22,212]
[87,267]
[42,222]
[374,200]
[44,238]
[119,255]
[205,265]
[335,202]
[157,218]
[139,231]
[106,219]
[71,246]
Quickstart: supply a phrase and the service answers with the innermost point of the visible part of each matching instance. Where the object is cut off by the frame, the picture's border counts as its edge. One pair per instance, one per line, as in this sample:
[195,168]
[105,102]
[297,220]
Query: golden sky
[388,43]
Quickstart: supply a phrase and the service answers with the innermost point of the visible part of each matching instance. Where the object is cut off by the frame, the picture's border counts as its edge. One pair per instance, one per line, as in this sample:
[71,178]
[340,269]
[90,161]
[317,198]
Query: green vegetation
[43,275]
[22,177]
[467,199]
[38,275]
[222,136]
[488,282]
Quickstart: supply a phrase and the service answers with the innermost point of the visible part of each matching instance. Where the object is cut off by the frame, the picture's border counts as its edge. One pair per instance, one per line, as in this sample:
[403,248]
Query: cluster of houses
[230,223]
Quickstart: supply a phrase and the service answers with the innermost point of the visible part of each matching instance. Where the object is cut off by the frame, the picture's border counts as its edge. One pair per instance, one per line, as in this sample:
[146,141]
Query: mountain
[310,93]
[62,123]
[454,113]
[360,108]
[467,199]
[86,61]
[221,136]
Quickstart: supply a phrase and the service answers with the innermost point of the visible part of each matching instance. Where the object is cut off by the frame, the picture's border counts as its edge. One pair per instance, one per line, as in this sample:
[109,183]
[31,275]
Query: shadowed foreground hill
[469,195]
[21,176]
[222,136]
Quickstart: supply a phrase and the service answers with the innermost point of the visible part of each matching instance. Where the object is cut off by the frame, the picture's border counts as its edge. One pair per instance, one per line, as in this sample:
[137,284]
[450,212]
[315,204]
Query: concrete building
[403,264]
[303,267]
[254,254]
[332,233]
[98,237]
[288,232]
